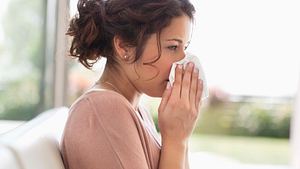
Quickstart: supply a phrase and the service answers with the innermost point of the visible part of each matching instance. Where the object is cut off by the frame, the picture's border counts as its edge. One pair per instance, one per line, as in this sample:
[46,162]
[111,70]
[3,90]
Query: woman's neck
[118,81]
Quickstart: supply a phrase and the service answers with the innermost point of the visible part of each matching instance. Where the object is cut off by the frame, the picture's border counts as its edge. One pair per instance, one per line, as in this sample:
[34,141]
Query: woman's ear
[123,51]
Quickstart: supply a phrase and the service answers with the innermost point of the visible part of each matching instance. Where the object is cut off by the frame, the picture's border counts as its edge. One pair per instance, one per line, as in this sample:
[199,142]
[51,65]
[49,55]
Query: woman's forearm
[173,155]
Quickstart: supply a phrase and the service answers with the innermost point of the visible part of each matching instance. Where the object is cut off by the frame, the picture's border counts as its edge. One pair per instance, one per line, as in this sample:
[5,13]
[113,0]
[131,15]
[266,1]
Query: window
[250,53]
[23,87]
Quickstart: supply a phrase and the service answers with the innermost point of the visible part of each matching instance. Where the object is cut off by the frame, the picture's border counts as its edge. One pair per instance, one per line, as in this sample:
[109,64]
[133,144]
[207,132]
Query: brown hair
[99,21]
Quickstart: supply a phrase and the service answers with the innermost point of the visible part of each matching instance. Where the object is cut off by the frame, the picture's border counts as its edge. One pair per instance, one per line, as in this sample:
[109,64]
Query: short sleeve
[106,134]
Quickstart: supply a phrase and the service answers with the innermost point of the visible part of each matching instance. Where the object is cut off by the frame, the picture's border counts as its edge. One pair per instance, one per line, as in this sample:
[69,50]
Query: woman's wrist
[173,154]
[175,144]
[174,141]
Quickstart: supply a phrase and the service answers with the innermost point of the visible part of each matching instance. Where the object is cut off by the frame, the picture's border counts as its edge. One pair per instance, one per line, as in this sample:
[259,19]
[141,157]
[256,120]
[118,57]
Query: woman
[140,39]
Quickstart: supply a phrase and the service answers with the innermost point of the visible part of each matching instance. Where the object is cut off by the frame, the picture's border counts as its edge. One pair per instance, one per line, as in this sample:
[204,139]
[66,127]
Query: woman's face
[152,78]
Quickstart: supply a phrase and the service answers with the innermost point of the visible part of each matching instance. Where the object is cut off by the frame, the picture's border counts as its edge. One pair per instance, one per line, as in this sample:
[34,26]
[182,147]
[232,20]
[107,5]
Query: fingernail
[168,85]
[200,81]
[196,70]
[179,66]
[191,64]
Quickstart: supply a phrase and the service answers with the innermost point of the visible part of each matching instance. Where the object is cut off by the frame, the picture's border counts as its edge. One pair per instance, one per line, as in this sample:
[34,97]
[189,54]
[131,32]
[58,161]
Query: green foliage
[19,100]
[23,29]
[21,112]
[247,118]
[21,59]
[242,118]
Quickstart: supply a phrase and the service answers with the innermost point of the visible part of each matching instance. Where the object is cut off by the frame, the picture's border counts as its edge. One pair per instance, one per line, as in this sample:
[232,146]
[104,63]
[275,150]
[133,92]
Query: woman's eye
[173,47]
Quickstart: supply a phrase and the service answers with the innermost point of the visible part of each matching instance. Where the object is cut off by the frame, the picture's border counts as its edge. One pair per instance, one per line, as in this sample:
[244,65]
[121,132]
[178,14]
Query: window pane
[21,58]
[250,53]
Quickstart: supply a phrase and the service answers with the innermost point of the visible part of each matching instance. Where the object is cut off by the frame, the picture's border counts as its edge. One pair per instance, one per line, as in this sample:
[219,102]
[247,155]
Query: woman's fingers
[199,93]
[186,85]
[186,82]
[165,98]
[193,91]
[176,89]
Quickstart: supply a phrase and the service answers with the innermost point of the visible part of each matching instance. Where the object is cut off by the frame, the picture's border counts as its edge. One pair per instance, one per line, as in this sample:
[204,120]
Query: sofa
[35,144]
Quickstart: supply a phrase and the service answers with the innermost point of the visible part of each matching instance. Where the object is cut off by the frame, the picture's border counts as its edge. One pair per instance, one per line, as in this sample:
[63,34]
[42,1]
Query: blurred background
[249,51]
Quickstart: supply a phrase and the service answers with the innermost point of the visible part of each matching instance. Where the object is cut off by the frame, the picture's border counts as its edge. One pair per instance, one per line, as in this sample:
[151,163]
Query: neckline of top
[138,111]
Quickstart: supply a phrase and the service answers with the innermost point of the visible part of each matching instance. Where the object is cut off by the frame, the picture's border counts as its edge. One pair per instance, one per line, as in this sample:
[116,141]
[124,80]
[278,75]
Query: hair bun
[86,28]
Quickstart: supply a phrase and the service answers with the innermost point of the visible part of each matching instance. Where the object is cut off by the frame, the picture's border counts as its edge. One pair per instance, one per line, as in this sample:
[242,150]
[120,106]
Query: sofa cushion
[8,159]
[35,144]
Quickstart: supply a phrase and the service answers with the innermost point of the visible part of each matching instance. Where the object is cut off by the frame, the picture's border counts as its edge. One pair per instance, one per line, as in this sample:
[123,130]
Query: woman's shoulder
[101,107]
[101,99]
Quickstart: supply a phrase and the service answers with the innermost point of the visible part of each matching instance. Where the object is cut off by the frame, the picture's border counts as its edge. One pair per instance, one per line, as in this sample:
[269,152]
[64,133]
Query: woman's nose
[181,55]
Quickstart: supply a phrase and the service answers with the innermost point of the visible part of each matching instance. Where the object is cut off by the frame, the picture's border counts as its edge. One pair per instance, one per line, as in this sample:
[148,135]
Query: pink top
[103,131]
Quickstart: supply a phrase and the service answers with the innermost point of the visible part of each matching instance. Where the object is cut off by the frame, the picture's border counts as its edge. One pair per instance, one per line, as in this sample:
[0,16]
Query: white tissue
[190,58]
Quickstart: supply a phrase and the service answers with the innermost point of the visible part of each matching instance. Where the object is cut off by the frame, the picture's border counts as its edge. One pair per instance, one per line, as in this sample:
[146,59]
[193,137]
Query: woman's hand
[179,107]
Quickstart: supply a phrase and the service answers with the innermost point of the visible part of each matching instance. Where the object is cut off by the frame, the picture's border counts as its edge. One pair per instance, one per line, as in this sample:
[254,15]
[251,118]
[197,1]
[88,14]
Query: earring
[126,57]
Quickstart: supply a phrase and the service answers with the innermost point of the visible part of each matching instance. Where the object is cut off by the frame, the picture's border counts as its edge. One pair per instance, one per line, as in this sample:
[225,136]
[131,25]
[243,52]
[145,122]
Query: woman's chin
[157,93]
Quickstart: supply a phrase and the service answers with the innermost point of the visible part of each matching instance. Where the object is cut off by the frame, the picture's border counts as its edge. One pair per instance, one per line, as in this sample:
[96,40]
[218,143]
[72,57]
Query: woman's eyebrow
[174,39]
[178,40]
